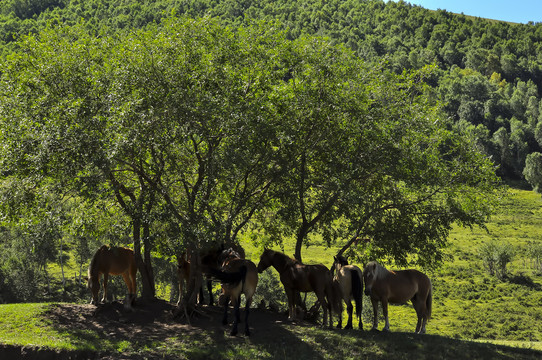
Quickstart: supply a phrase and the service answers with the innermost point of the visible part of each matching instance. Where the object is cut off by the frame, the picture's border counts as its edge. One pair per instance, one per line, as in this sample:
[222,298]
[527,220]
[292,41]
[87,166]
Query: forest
[489,72]
[129,122]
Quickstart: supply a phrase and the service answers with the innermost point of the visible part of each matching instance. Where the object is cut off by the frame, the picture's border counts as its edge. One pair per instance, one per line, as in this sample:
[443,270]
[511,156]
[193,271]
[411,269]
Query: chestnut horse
[237,276]
[114,261]
[350,280]
[297,277]
[398,287]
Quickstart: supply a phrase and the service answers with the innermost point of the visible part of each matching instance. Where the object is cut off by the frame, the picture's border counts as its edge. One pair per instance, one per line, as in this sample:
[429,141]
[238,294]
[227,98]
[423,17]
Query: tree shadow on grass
[150,332]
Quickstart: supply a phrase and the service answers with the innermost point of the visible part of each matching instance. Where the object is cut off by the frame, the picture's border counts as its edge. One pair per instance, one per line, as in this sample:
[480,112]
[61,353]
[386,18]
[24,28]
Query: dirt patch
[147,324]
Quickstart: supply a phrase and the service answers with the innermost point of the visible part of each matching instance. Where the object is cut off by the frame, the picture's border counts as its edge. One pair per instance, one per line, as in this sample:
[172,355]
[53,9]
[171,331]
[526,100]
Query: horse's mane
[92,267]
[379,269]
[341,260]
[287,259]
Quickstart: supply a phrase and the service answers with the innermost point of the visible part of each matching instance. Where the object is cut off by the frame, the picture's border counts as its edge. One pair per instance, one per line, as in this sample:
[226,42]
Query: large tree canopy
[197,130]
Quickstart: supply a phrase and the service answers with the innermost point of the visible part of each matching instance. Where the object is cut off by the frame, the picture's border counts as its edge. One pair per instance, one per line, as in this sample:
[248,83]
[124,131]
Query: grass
[475,315]
[287,341]
[24,324]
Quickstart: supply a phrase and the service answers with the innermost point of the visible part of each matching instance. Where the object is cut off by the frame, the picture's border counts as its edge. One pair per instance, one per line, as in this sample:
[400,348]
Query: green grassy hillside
[468,302]
[469,305]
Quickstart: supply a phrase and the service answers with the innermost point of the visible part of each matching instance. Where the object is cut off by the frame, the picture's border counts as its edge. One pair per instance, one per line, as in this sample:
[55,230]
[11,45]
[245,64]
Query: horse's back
[403,285]
[344,277]
[248,286]
[416,277]
[120,260]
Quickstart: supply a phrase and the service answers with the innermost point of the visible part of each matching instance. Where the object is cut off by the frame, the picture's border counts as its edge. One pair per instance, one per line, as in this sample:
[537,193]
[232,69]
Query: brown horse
[183,275]
[350,280]
[398,287]
[237,276]
[297,277]
[114,261]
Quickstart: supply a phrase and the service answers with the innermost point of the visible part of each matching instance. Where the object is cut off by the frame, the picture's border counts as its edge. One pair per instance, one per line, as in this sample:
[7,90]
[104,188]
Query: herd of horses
[239,276]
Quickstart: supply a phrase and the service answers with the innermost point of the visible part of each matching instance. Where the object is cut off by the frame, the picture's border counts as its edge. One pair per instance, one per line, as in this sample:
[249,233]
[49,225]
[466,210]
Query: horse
[398,287]
[237,276]
[183,275]
[115,261]
[297,277]
[350,280]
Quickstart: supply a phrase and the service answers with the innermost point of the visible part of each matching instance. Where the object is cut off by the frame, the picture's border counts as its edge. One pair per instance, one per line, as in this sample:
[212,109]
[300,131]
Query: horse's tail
[429,301]
[357,291]
[230,277]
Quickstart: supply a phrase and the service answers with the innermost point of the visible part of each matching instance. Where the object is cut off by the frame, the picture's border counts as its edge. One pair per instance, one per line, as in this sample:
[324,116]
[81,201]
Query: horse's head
[93,283]
[369,276]
[266,259]
[339,261]
[228,255]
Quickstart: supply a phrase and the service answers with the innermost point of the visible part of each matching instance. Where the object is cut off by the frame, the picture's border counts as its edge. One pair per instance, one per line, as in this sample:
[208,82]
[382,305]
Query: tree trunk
[147,258]
[147,291]
[301,234]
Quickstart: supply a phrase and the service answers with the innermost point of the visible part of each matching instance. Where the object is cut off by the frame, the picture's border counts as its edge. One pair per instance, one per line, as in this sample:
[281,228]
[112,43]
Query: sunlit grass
[23,324]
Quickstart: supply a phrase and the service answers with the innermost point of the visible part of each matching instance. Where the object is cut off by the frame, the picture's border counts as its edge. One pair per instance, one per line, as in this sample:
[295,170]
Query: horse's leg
[340,322]
[210,290]
[385,312]
[359,310]
[130,285]
[420,308]
[349,309]
[247,309]
[236,301]
[225,317]
[290,294]
[375,314]
[325,306]
[104,298]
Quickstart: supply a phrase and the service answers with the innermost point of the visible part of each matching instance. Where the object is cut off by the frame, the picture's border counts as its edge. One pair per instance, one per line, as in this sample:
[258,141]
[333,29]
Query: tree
[160,120]
[533,170]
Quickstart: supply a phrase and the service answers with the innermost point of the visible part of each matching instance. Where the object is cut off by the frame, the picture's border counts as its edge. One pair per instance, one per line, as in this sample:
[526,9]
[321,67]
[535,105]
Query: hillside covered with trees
[489,77]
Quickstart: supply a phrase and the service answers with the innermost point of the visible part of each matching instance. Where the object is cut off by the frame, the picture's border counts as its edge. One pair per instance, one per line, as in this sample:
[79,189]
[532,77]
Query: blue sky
[520,11]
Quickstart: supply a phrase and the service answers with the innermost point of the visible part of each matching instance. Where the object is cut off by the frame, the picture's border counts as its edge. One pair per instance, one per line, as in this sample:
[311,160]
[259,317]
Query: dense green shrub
[496,257]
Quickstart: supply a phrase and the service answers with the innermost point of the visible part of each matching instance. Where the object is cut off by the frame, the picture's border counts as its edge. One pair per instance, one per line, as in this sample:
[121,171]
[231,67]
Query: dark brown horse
[398,287]
[297,277]
[114,261]
[183,275]
[237,276]
[350,280]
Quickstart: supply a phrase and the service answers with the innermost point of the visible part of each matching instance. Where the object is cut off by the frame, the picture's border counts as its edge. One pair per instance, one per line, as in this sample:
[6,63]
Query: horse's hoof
[349,326]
